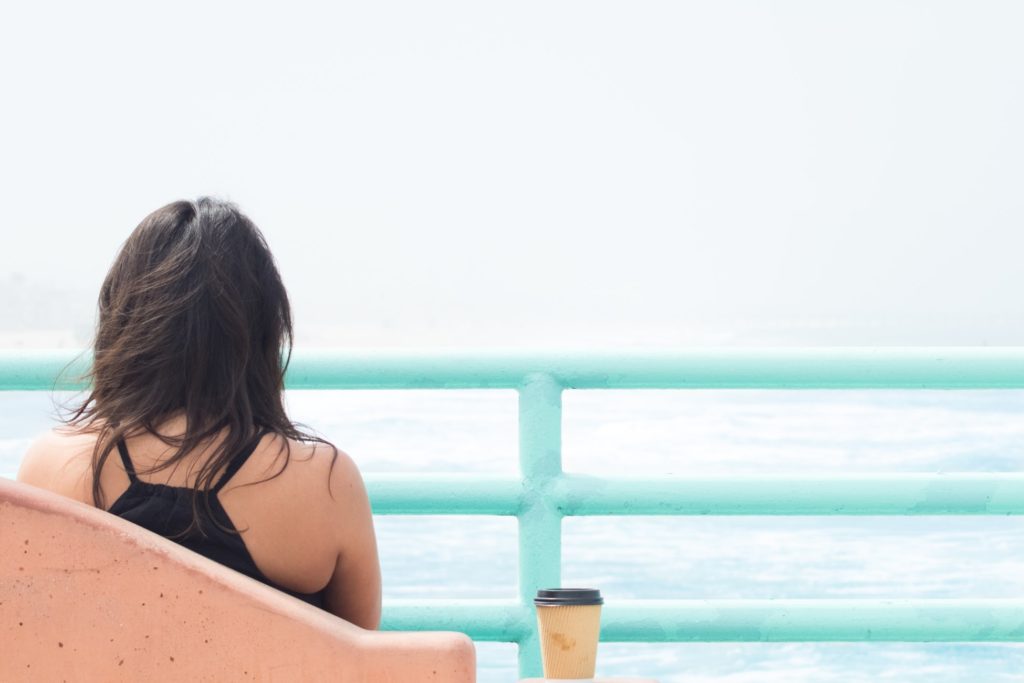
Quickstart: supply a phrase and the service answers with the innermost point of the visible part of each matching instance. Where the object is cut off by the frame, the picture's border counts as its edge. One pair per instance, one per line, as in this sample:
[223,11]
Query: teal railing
[544,494]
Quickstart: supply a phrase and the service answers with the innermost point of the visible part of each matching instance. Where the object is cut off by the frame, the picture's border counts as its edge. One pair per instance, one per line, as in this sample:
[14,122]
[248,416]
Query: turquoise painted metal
[969,493]
[654,621]
[813,368]
[545,494]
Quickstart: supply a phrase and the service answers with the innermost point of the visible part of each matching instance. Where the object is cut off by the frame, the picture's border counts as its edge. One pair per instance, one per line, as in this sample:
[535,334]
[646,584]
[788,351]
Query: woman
[184,429]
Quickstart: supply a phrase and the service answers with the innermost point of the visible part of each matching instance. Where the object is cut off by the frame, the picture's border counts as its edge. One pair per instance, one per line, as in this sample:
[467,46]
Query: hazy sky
[571,173]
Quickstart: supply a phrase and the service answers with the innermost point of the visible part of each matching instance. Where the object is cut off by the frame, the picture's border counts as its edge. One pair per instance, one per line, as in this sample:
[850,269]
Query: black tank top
[167,510]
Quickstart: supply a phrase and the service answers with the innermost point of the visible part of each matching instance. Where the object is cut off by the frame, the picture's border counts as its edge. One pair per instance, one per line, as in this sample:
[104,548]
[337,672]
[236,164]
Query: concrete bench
[85,595]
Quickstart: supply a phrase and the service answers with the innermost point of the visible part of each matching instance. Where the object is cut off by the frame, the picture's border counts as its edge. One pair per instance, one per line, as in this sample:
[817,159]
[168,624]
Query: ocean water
[693,432]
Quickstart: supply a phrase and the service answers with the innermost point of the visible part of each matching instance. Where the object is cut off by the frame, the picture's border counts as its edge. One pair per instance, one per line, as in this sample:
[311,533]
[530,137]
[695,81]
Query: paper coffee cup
[570,626]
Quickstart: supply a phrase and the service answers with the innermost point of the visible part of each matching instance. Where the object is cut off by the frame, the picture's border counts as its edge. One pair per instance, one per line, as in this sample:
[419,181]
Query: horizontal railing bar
[849,368]
[951,493]
[735,368]
[906,620]
[39,370]
[792,620]
[503,621]
[440,494]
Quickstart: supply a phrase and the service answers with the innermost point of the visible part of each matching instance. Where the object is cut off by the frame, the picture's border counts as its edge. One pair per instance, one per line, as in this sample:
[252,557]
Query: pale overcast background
[539,173]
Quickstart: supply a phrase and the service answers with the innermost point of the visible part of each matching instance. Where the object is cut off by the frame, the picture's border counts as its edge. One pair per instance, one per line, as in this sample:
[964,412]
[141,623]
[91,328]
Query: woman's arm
[354,590]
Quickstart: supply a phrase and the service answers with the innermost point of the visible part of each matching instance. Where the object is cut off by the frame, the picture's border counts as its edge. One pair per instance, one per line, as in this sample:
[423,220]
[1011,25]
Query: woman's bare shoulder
[54,455]
[312,463]
[60,444]
[320,483]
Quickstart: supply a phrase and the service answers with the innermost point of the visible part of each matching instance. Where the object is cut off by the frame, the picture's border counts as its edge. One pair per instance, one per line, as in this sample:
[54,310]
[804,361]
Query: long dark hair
[193,320]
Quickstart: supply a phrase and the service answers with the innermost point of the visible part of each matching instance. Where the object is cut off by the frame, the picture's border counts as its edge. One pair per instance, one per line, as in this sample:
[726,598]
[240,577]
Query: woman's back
[167,509]
[293,533]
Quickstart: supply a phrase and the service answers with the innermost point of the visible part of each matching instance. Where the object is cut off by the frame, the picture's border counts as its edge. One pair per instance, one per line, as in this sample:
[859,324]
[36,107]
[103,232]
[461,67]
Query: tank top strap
[239,460]
[122,448]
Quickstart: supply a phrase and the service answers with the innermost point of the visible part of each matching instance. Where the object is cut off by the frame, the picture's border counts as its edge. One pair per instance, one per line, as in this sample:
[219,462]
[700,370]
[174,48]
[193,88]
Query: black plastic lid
[562,597]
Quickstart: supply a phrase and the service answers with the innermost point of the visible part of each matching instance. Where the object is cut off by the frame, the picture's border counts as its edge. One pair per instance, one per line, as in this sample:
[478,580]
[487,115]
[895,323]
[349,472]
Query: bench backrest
[85,595]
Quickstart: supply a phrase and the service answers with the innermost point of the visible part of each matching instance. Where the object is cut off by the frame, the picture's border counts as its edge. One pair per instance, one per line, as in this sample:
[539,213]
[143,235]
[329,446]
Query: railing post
[540,522]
